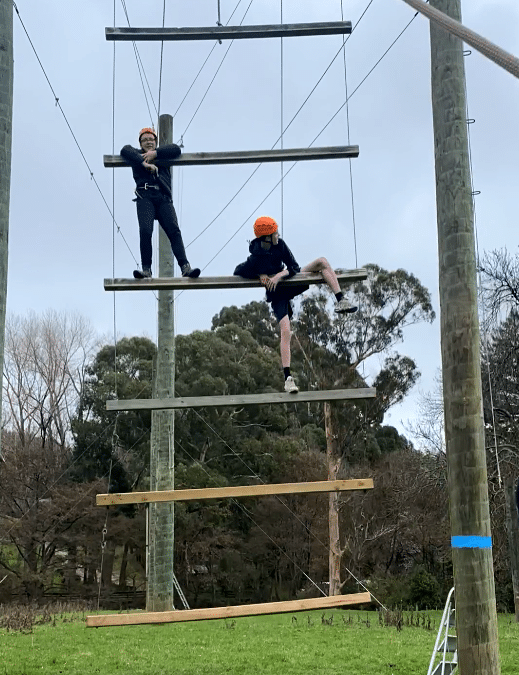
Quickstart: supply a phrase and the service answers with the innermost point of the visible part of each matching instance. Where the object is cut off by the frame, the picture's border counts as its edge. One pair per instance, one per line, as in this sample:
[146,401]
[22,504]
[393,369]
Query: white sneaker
[290,386]
[344,307]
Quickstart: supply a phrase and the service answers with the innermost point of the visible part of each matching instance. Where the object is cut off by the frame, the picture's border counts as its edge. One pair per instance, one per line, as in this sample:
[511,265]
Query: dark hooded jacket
[269,262]
[133,157]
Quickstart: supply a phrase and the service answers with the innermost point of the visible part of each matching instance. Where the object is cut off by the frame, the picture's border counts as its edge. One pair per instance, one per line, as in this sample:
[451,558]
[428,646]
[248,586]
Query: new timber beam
[115,499]
[239,399]
[249,156]
[230,32]
[327,602]
[205,283]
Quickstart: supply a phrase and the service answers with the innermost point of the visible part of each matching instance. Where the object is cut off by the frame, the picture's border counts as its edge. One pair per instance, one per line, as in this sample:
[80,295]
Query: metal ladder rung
[448,667]
[452,644]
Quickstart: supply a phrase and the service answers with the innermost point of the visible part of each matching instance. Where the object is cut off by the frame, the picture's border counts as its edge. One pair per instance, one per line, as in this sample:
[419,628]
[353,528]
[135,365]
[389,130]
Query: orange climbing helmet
[147,130]
[265,225]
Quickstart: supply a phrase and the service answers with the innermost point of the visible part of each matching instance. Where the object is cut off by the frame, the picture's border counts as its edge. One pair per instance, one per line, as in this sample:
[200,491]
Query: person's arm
[136,159]
[246,270]
[167,152]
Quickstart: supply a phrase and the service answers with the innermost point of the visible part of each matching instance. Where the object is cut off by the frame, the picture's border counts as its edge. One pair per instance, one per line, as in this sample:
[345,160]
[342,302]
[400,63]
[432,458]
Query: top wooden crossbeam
[230,32]
[205,283]
[249,156]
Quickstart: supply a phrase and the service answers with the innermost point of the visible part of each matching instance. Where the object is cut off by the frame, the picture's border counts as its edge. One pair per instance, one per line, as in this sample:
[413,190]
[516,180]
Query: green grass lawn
[275,645]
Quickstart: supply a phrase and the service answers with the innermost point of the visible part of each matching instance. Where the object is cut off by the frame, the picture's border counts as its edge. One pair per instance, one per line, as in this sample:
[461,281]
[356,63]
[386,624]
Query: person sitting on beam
[271,260]
[154,199]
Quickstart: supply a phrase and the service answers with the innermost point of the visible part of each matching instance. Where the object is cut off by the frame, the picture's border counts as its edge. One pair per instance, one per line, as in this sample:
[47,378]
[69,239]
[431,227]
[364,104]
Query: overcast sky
[61,231]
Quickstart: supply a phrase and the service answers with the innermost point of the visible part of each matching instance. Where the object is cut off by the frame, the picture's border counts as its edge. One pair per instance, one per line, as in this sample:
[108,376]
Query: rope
[281,118]
[214,76]
[160,70]
[113,211]
[288,125]
[499,56]
[253,473]
[58,105]
[140,68]
[349,143]
[203,64]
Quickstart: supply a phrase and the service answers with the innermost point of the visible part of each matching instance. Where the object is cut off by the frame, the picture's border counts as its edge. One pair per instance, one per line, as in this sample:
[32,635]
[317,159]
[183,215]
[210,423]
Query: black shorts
[281,297]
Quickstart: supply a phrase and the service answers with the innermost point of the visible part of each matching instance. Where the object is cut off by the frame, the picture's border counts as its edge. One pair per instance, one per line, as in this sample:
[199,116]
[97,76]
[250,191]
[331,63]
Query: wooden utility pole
[476,618]
[160,587]
[6,127]
[333,460]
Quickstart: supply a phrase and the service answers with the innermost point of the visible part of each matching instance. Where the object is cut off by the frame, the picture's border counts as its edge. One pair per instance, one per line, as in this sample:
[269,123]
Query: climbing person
[154,199]
[271,260]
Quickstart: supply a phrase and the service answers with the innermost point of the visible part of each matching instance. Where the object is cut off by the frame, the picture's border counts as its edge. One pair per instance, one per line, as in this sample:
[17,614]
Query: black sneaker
[187,271]
[145,274]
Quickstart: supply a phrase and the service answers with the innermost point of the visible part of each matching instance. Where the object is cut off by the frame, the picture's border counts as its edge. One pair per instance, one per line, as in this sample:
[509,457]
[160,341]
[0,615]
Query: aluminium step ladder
[446,643]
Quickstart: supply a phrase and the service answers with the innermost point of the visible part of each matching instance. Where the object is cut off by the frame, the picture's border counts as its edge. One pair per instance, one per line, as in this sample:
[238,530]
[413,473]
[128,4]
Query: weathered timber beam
[115,499]
[239,399]
[230,32]
[98,621]
[250,156]
[205,283]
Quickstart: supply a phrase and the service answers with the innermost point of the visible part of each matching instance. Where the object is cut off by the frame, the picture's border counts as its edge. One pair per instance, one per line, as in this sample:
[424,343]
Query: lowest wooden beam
[100,620]
[115,499]
[230,32]
[249,156]
[238,399]
[205,283]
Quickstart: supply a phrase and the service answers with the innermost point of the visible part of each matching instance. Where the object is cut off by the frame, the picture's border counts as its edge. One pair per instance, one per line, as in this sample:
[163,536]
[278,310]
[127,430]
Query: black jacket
[271,261]
[141,175]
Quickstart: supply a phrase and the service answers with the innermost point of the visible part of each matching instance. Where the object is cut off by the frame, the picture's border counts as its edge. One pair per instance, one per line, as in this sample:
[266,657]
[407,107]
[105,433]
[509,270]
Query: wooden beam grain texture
[229,32]
[115,499]
[249,156]
[100,620]
[212,283]
[239,399]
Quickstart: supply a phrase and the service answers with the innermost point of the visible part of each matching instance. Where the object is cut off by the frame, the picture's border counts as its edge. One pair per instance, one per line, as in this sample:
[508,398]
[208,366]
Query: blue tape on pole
[471,541]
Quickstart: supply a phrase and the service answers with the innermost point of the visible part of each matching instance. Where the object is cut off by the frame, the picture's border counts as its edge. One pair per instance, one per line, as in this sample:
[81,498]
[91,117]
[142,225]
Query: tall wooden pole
[334,463]
[160,587]
[476,618]
[6,124]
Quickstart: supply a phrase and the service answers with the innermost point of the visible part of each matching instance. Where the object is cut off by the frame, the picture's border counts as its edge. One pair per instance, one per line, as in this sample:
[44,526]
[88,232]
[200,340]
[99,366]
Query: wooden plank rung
[208,283]
[230,32]
[115,499]
[249,156]
[239,399]
[97,621]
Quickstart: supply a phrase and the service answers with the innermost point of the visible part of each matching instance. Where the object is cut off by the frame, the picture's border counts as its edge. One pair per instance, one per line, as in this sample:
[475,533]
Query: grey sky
[61,231]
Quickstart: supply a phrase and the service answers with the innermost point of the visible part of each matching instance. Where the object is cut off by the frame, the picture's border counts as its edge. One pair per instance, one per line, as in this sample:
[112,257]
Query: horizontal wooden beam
[230,32]
[329,602]
[205,283]
[249,156]
[115,499]
[238,399]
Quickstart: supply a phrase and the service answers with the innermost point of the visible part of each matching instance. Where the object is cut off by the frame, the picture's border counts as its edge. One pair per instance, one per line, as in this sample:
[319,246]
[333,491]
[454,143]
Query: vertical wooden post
[6,125]
[476,617]
[334,463]
[160,588]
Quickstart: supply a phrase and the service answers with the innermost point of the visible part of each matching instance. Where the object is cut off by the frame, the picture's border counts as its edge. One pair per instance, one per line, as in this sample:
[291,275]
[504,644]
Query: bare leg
[284,327]
[323,266]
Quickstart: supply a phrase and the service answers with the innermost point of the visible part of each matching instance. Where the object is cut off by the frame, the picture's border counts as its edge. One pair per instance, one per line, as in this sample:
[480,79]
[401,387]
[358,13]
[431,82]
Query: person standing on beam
[154,199]
[271,260]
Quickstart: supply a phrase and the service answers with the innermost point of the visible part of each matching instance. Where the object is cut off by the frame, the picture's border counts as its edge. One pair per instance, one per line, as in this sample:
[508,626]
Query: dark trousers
[153,207]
